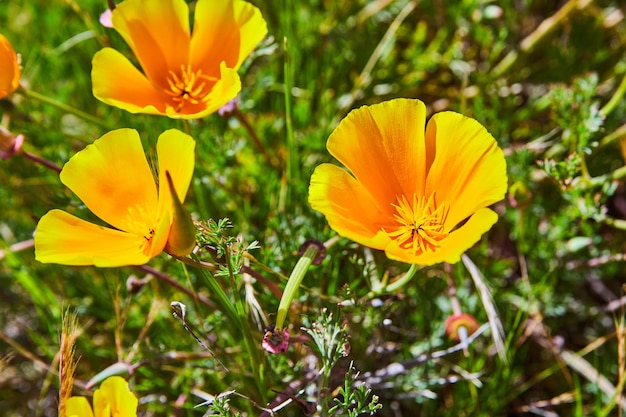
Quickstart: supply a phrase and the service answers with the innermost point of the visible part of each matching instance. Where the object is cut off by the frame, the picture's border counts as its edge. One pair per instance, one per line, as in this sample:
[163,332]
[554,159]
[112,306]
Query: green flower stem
[616,175]
[257,365]
[293,283]
[543,30]
[224,303]
[403,280]
[196,263]
[241,118]
[619,133]
[292,149]
[616,223]
[236,314]
[186,126]
[615,99]
[64,107]
[456,309]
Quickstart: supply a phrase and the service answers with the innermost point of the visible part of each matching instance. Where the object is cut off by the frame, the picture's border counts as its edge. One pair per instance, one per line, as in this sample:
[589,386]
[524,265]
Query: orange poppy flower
[420,197]
[113,398]
[114,180]
[9,69]
[185,75]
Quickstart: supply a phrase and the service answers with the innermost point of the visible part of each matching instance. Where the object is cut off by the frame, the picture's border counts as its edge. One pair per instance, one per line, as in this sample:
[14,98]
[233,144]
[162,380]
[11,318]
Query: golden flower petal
[225,31]
[469,169]
[118,83]
[65,239]
[347,205]
[113,398]
[9,69]
[158,33]
[383,146]
[454,244]
[215,38]
[186,76]
[252,28]
[78,407]
[175,151]
[112,175]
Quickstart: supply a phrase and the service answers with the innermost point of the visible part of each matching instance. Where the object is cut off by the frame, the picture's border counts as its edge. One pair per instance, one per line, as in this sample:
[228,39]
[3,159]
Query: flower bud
[9,144]
[456,321]
[182,238]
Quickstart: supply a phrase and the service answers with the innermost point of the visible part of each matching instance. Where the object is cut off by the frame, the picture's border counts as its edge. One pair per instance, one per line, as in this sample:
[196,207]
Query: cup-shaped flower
[421,196]
[112,399]
[113,179]
[185,75]
[9,68]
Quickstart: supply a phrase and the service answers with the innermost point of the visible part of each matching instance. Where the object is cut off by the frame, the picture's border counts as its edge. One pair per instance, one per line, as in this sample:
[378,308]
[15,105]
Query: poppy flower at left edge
[183,75]
[113,179]
[9,68]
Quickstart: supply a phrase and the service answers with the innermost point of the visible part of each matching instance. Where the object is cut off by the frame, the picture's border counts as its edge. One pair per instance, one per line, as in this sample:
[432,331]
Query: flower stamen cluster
[188,86]
[421,224]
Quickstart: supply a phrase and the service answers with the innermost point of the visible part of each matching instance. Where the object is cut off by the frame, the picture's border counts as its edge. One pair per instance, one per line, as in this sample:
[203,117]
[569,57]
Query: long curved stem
[403,280]
[64,107]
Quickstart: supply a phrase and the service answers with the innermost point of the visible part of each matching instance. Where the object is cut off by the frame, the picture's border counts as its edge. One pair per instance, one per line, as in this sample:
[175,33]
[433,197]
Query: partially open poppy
[422,197]
[112,177]
[185,75]
[9,69]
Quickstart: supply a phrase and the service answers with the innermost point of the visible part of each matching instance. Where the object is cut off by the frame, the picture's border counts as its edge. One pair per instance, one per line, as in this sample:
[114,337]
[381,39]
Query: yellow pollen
[188,86]
[139,222]
[420,223]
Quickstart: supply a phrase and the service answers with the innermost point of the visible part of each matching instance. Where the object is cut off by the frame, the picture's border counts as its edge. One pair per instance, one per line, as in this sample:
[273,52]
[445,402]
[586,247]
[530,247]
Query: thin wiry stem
[175,284]
[252,133]
[41,161]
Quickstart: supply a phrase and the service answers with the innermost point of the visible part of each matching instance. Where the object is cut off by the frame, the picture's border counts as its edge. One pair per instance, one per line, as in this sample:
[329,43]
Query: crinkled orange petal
[224,90]
[113,398]
[215,37]
[383,146]
[78,407]
[65,239]
[158,33]
[469,170]
[175,151]
[118,83]
[225,31]
[112,175]
[453,246]
[347,206]
[9,68]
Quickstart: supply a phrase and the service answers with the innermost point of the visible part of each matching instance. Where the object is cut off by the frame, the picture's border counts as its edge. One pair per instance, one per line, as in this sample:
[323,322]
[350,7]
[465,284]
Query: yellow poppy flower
[112,399]
[184,75]
[420,197]
[9,69]
[112,177]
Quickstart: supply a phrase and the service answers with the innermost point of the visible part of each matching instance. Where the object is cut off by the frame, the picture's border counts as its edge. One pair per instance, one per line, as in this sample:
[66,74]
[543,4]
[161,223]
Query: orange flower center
[420,223]
[139,222]
[188,86]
